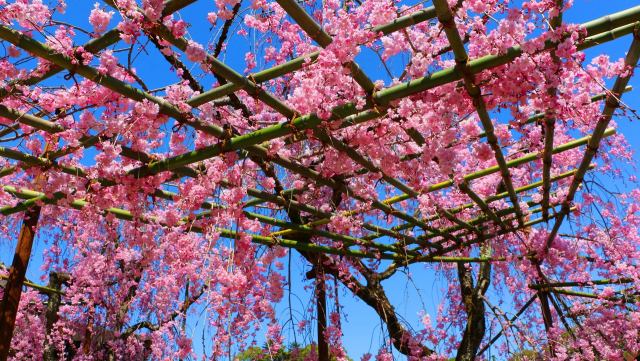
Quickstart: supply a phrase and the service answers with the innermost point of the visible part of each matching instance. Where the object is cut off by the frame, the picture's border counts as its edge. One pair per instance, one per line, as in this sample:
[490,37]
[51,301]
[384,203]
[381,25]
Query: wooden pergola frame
[406,249]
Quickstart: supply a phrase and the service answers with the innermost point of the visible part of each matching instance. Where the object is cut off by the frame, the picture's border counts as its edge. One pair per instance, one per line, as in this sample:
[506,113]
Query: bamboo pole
[612,103]
[78,204]
[550,119]
[93,46]
[462,64]
[37,287]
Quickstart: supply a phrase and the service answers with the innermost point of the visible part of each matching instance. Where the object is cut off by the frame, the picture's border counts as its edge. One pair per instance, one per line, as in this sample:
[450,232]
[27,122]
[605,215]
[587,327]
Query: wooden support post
[17,272]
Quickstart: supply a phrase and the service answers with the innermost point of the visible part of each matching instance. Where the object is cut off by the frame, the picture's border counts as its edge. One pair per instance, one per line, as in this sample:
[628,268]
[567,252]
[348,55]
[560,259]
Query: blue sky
[361,327]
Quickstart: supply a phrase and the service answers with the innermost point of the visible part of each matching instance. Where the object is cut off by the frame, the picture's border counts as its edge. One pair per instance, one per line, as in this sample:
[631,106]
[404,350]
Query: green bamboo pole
[93,46]
[462,63]
[623,298]
[612,103]
[349,240]
[482,204]
[36,286]
[547,158]
[297,63]
[460,222]
[511,163]
[317,33]
[550,120]
[381,97]
[226,233]
[53,128]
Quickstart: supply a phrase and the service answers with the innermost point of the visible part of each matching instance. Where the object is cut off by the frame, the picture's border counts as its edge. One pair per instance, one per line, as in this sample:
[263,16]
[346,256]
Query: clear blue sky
[361,327]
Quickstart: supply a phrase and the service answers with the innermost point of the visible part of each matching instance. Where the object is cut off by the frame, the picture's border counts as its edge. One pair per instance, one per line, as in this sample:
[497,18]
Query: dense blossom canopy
[169,207]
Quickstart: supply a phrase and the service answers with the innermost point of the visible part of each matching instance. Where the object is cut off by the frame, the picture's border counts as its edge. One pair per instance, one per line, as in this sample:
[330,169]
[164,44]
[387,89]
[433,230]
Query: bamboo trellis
[429,244]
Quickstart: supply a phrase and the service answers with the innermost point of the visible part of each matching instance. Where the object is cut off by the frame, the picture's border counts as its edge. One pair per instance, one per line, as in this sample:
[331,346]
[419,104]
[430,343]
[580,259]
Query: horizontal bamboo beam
[78,204]
[381,97]
[298,62]
[35,286]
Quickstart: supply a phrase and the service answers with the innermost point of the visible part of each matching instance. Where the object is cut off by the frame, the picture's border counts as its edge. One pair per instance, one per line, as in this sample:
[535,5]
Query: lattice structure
[294,223]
